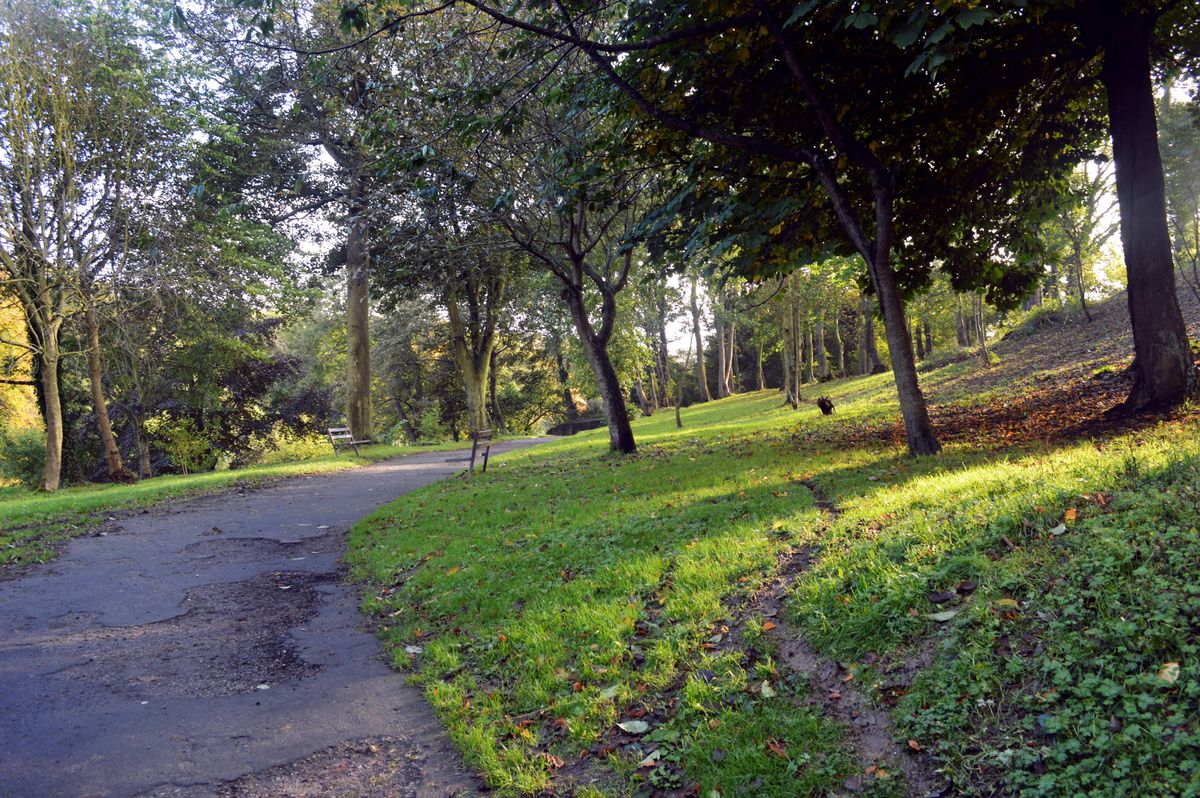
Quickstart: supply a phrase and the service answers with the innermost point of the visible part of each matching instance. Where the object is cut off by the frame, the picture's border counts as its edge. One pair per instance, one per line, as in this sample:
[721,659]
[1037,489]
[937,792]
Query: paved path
[209,647]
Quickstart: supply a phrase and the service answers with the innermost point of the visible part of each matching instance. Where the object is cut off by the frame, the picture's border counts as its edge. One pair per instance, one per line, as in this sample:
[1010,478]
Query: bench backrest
[483,435]
[340,433]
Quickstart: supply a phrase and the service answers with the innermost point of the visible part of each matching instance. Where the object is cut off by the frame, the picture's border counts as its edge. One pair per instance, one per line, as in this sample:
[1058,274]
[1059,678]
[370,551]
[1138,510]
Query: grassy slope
[32,524]
[566,591]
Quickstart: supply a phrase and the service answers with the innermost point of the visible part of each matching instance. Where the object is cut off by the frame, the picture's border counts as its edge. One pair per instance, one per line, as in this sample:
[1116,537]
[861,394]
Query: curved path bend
[210,647]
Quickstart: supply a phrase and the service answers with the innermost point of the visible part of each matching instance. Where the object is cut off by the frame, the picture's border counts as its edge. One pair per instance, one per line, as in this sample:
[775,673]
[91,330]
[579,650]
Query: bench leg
[487,451]
[474,449]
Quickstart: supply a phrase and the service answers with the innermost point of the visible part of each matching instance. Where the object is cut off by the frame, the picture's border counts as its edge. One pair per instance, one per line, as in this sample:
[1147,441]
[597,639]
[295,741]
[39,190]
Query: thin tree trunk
[410,429]
[836,344]
[113,464]
[701,376]
[918,339]
[497,416]
[960,324]
[143,445]
[760,379]
[735,373]
[981,330]
[806,353]
[563,378]
[1078,275]
[664,372]
[869,353]
[819,347]
[52,412]
[787,354]
[722,367]
[928,338]
[358,334]
[1163,368]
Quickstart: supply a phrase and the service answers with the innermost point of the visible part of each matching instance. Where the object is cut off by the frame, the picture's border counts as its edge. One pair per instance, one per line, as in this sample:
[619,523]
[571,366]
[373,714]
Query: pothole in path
[231,550]
[230,639]
[378,767]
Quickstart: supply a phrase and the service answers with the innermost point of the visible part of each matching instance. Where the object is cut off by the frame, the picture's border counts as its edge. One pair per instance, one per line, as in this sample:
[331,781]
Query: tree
[1180,136]
[1112,45]
[80,111]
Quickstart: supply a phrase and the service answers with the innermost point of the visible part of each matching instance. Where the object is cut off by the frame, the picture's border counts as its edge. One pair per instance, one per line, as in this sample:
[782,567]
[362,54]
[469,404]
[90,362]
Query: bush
[184,444]
[22,456]
[287,446]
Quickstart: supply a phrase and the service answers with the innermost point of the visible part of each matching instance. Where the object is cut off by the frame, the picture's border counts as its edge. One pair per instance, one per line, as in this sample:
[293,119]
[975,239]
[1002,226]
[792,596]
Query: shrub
[22,456]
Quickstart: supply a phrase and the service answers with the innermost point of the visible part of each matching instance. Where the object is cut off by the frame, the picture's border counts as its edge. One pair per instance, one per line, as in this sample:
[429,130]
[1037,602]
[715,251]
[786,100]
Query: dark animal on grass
[826,405]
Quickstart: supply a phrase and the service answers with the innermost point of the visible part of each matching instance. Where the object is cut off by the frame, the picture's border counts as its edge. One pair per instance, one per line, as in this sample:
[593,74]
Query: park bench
[343,438]
[482,441]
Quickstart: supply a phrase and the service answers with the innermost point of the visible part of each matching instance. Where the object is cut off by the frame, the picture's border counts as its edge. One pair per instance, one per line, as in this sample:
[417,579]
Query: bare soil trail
[210,647]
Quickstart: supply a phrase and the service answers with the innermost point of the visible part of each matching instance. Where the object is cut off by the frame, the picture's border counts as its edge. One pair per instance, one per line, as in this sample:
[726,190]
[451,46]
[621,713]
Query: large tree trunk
[48,358]
[868,352]
[620,433]
[358,334]
[474,367]
[1163,368]
[113,464]
[595,347]
[701,375]
[917,427]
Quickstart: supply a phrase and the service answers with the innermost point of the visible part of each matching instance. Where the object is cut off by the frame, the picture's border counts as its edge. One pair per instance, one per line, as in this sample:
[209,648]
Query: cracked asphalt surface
[209,647]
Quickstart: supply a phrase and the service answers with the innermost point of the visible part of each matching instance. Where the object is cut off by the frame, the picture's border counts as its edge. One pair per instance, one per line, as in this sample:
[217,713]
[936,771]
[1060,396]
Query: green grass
[568,590]
[33,524]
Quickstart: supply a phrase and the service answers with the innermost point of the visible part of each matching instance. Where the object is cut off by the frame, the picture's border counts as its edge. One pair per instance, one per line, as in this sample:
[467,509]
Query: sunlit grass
[570,589]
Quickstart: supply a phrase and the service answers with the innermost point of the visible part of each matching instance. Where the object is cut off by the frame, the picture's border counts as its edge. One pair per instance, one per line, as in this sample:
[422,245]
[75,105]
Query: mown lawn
[33,524]
[569,613]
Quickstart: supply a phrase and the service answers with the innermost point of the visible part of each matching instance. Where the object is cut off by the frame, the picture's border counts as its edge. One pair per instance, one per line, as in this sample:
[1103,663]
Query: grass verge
[1026,609]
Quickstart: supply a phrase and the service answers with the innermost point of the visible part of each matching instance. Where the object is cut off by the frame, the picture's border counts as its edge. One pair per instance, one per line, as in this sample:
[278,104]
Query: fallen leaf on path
[914,745]
[634,726]
[651,758]
[769,625]
[777,748]
[1169,672]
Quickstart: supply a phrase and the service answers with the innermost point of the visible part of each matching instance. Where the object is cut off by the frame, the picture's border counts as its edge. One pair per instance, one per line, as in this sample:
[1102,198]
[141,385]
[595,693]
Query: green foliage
[184,444]
[22,452]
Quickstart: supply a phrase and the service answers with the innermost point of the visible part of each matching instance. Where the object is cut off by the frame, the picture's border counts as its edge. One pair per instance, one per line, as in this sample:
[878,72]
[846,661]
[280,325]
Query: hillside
[772,602]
